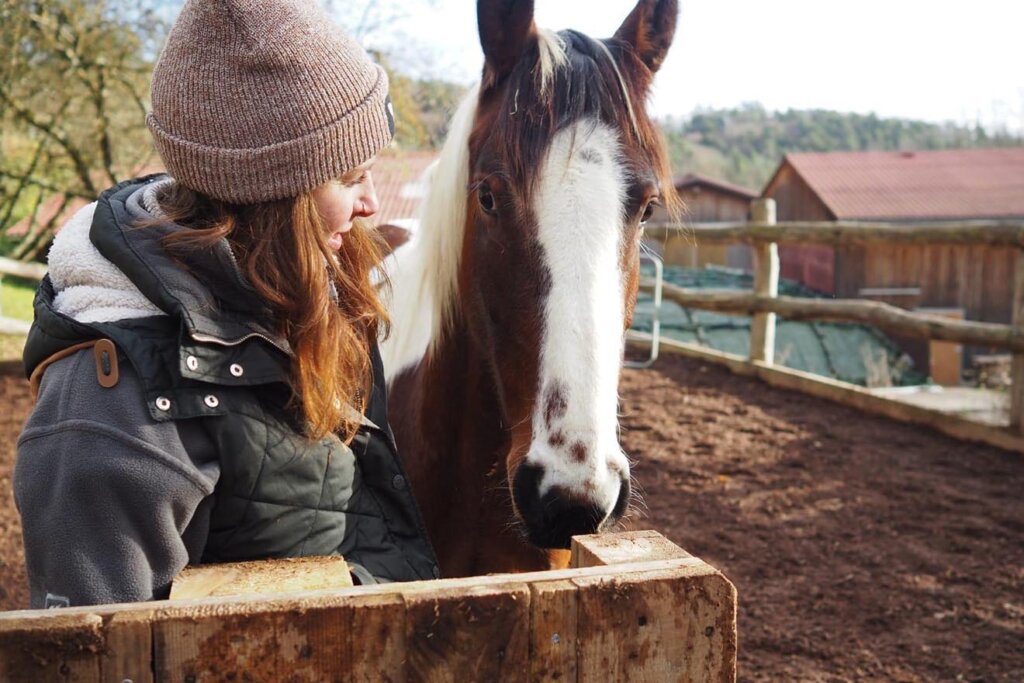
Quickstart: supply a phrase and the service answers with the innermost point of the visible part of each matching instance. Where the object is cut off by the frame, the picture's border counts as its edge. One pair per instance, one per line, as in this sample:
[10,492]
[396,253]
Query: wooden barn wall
[707,205]
[977,279]
[811,265]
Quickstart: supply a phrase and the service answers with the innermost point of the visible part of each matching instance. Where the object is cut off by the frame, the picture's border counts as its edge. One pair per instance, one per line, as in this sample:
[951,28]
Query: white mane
[424,272]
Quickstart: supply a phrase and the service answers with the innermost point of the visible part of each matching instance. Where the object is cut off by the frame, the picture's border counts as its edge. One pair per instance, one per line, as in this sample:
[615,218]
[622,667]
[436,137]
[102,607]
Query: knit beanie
[257,100]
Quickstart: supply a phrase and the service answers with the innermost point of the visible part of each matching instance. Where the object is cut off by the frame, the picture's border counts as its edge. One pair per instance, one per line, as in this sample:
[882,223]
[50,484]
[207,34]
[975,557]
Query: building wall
[811,265]
[707,205]
[977,279]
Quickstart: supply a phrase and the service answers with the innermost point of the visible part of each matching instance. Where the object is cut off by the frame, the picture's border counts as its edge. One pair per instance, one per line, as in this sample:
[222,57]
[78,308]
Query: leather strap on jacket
[105,353]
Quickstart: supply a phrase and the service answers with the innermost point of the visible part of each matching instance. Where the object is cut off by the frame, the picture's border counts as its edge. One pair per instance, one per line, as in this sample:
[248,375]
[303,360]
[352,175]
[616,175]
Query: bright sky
[934,60]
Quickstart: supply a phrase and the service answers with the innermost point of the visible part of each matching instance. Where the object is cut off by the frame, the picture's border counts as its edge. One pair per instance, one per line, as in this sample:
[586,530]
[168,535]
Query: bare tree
[73,105]
[75,77]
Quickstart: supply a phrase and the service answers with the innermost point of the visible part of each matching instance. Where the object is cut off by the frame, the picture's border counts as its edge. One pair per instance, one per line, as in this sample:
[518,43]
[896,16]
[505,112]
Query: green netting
[859,354]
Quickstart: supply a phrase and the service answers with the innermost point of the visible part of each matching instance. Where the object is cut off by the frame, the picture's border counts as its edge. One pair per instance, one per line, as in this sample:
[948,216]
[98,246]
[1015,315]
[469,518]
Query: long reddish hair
[324,303]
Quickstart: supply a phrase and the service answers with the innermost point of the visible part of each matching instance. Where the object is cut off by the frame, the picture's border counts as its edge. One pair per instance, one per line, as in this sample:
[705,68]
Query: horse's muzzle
[552,519]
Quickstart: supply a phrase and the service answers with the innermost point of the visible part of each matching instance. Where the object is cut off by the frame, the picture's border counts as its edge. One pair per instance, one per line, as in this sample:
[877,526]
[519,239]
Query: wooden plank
[49,646]
[315,642]
[553,631]
[853,396]
[666,626]
[357,593]
[29,271]
[766,284]
[308,639]
[598,550]
[128,655]
[848,233]
[14,327]
[1017,365]
[216,642]
[378,639]
[286,575]
[884,316]
[945,359]
[471,634]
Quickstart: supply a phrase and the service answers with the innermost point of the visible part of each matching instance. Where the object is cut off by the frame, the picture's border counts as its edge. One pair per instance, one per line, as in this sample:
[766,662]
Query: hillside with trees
[76,87]
[744,145]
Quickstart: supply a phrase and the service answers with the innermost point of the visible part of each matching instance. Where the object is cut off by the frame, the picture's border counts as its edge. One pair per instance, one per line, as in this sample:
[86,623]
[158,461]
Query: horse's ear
[649,29]
[506,28]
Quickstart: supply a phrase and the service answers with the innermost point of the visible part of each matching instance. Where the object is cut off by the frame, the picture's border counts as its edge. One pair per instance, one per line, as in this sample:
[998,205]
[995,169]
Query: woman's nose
[368,205]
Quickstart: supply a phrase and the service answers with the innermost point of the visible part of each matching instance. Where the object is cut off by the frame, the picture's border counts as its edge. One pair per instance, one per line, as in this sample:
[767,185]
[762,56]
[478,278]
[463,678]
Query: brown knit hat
[256,100]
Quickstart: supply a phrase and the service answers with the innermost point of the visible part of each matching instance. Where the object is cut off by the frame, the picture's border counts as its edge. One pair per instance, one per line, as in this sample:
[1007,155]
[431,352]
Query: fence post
[1017,368]
[766,283]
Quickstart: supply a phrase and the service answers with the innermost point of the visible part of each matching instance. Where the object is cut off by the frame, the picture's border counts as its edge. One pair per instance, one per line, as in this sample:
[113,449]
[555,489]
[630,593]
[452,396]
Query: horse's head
[522,278]
[564,167]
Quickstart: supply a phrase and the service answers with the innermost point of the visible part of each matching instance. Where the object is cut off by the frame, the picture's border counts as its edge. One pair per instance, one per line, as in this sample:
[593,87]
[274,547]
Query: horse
[510,304]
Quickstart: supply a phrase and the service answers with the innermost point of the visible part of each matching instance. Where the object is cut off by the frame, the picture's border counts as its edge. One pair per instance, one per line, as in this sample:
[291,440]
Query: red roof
[48,210]
[937,185]
[398,179]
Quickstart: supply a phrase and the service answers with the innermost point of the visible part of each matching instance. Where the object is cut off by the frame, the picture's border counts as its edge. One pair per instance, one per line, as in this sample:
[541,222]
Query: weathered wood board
[635,607]
[266,577]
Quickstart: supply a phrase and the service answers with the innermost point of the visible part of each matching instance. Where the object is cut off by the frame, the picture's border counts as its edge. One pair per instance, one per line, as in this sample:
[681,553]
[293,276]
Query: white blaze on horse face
[580,210]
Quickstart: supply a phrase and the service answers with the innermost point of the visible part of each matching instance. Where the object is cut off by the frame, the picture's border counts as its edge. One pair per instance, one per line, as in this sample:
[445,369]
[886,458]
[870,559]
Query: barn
[905,187]
[708,200]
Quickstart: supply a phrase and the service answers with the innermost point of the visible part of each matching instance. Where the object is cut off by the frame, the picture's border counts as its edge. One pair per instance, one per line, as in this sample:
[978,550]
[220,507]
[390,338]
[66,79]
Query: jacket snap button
[163,403]
[398,482]
[237,370]
[192,362]
[211,401]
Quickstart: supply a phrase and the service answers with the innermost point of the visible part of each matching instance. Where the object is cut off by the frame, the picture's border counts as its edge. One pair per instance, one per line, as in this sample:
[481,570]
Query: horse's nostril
[622,501]
[553,519]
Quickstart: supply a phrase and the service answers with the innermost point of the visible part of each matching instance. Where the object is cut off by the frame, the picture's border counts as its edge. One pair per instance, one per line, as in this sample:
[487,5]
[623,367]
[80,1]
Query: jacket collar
[227,317]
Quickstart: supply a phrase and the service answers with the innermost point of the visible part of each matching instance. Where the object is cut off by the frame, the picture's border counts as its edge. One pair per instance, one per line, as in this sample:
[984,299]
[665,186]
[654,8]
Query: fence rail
[847,233]
[882,315]
[31,271]
[764,233]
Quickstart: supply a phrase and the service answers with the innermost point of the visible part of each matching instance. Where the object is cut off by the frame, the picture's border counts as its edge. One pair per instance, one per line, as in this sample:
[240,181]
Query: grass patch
[16,297]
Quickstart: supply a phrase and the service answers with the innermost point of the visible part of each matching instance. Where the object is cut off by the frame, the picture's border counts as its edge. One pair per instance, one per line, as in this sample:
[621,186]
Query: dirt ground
[862,549]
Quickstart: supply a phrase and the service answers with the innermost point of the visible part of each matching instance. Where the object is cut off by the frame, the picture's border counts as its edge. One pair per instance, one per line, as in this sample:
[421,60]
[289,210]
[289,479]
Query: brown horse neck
[454,455]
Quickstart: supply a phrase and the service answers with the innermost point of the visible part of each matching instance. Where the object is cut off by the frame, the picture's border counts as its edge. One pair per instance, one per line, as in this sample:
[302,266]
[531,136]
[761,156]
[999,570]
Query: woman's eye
[486,199]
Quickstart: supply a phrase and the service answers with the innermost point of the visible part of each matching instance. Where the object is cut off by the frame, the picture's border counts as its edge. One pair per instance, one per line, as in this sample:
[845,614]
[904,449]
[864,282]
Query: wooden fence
[634,607]
[764,234]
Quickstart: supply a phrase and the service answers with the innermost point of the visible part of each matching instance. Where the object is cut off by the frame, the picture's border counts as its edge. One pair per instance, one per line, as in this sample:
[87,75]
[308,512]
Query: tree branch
[81,168]
[44,185]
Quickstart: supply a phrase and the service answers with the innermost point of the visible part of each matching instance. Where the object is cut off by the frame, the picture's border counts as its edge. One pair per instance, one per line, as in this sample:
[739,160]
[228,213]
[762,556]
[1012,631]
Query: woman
[204,347]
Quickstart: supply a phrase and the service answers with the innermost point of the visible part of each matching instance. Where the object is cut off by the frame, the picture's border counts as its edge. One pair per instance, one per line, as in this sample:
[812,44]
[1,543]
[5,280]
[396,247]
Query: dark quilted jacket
[215,381]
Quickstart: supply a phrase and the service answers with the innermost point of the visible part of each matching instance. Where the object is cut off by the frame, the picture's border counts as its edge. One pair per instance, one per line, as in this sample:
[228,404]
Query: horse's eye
[648,212]
[486,198]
